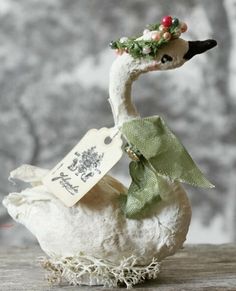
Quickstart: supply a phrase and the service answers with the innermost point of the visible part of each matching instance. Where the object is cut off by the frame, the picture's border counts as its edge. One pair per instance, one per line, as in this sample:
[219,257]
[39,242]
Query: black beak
[199,47]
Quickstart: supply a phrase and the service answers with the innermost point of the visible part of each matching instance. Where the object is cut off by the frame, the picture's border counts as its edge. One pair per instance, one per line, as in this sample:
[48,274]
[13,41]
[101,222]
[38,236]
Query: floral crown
[154,37]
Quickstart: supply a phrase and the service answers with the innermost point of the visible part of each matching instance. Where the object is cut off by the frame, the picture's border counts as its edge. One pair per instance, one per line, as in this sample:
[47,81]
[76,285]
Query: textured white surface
[96,226]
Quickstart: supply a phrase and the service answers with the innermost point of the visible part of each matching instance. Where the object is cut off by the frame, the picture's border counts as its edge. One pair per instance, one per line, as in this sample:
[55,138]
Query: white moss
[85,270]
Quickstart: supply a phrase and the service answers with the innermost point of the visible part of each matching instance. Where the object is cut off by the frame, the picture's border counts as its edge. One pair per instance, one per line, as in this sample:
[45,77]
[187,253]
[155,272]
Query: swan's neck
[123,72]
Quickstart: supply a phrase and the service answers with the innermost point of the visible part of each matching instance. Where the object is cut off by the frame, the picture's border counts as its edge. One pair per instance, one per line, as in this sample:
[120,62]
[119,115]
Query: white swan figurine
[93,242]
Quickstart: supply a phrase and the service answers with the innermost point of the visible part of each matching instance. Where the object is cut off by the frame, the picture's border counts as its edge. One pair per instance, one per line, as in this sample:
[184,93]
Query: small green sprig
[139,48]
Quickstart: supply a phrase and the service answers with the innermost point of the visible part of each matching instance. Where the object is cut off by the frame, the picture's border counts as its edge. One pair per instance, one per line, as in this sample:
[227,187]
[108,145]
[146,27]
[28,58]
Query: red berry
[166,21]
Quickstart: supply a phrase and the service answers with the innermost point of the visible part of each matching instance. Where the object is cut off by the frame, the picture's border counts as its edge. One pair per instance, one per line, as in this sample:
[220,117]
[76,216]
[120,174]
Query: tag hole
[107,140]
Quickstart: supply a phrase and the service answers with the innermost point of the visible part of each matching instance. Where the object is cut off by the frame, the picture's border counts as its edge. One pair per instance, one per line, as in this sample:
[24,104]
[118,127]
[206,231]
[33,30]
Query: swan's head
[178,51]
[160,47]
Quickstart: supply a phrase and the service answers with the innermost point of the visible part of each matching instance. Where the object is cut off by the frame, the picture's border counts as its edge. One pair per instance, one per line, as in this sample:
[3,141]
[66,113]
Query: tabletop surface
[195,267]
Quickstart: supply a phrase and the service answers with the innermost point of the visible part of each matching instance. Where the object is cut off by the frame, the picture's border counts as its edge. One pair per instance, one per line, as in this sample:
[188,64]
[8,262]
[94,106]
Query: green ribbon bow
[162,158]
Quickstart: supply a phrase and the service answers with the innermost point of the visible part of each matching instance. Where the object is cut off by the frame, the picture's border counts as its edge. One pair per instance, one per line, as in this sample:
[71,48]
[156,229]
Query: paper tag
[86,164]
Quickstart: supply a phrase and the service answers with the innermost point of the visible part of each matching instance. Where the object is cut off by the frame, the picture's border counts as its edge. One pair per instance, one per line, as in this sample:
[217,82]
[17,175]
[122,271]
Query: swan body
[96,225]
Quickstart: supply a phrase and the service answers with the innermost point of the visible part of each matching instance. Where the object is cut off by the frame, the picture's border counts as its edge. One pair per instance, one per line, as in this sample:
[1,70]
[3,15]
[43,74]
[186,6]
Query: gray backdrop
[54,71]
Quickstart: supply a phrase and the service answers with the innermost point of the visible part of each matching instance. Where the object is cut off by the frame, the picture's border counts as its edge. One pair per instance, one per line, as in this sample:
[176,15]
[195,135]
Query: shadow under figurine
[115,235]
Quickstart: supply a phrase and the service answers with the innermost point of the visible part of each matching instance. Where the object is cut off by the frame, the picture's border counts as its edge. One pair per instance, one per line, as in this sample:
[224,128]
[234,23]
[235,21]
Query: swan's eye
[166,59]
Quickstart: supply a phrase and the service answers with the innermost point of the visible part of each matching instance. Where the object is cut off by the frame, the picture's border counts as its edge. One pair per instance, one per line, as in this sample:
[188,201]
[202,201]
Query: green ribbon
[163,158]
[145,190]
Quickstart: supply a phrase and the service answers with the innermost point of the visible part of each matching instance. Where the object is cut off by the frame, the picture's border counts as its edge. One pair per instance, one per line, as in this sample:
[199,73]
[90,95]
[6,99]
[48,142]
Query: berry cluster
[155,36]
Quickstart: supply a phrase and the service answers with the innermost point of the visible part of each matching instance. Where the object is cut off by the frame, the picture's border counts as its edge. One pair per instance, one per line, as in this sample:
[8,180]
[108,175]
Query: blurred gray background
[54,67]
